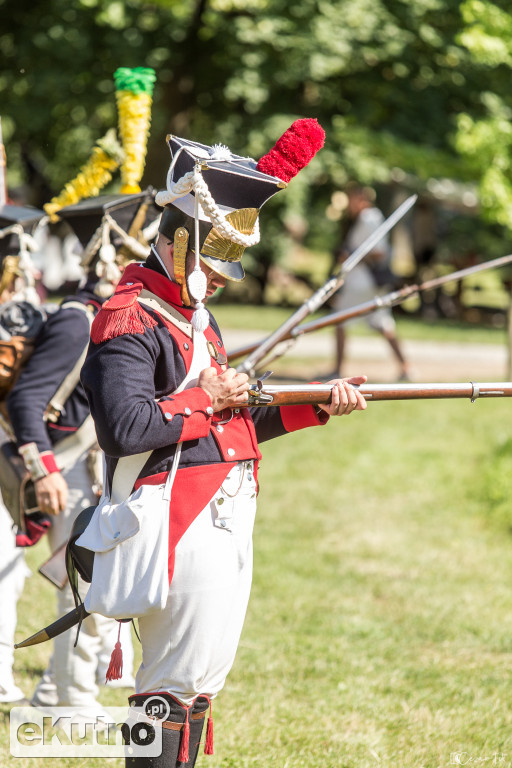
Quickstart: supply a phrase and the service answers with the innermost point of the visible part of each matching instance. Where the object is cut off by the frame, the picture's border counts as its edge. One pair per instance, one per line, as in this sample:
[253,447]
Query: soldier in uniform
[17,224]
[163,401]
[49,414]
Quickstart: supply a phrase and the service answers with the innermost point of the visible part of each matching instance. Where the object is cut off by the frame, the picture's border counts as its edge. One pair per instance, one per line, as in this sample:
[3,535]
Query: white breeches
[190,646]
[12,577]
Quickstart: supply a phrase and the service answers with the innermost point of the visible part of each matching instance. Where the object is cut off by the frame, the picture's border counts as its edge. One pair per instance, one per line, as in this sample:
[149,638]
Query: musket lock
[256,396]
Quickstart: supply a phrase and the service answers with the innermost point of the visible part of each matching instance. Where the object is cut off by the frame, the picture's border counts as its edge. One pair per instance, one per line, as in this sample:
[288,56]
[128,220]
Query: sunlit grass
[379,626]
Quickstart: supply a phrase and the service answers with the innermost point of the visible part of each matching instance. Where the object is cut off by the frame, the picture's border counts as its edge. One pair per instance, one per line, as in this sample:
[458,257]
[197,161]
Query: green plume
[137,79]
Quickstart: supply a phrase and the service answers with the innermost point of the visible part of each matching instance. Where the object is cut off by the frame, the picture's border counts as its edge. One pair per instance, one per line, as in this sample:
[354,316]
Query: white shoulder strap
[128,468]
[56,404]
[166,310]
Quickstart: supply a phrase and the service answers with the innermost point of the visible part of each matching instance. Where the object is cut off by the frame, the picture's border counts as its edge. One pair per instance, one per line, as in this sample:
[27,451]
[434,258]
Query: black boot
[181,733]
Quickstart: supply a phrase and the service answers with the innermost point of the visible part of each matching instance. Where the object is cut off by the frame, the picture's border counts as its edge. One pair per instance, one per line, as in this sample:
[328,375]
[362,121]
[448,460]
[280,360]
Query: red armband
[37,464]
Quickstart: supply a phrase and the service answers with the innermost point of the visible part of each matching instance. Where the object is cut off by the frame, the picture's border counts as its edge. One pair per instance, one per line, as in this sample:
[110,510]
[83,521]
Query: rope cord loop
[194,180]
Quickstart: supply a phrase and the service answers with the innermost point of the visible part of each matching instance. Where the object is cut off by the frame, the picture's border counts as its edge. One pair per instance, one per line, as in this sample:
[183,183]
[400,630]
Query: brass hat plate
[244,220]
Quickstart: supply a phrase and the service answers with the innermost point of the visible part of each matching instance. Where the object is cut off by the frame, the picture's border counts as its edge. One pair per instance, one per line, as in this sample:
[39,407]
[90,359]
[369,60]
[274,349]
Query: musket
[391,299]
[262,394]
[76,616]
[326,291]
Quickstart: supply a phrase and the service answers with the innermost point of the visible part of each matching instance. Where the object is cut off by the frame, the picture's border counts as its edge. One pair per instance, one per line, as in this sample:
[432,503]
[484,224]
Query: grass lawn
[378,632]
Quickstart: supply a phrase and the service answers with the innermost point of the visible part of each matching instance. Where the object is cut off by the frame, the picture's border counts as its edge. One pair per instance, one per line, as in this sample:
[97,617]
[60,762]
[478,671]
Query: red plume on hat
[294,150]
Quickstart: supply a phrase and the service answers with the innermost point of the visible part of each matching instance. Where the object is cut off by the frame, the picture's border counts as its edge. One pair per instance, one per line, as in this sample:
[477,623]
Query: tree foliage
[386,78]
[487,140]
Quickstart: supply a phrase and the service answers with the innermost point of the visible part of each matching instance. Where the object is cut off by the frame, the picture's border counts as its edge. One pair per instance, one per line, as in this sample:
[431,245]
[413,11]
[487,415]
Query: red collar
[153,281]
[123,314]
[135,278]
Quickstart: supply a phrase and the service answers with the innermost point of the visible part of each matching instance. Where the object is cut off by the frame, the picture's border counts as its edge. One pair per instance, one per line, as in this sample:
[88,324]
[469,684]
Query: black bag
[79,561]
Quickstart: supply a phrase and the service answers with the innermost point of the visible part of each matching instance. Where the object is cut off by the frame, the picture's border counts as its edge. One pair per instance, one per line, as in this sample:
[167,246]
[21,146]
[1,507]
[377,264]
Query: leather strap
[128,468]
[171,725]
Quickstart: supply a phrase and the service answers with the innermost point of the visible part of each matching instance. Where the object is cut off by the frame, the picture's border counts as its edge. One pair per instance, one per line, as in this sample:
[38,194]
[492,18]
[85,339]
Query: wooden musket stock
[320,394]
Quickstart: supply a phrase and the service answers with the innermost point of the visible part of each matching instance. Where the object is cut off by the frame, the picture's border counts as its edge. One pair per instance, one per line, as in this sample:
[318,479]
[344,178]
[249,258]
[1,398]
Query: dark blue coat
[58,347]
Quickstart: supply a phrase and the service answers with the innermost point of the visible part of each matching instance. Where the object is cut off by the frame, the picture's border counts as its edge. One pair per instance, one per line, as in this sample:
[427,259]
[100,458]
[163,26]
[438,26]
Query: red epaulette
[121,314]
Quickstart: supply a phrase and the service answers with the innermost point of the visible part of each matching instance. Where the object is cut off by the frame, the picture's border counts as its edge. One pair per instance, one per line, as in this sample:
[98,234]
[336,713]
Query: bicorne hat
[17,225]
[213,199]
[113,230]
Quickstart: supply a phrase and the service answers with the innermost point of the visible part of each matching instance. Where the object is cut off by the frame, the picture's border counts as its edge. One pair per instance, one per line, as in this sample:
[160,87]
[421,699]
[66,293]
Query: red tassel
[115,668]
[294,150]
[110,323]
[185,737]
[208,747]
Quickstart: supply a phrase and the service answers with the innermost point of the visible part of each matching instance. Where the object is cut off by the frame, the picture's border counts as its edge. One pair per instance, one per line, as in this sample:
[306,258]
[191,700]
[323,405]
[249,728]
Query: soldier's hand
[227,389]
[345,398]
[51,493]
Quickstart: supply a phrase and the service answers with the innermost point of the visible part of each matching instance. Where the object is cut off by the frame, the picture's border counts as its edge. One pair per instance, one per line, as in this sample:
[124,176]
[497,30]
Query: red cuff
[301,416]
[195,426]
[195,406]
[48,460]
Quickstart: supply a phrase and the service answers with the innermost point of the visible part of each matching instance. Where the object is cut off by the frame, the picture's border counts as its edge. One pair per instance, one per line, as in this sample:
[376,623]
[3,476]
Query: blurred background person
[17,226]
[368,278]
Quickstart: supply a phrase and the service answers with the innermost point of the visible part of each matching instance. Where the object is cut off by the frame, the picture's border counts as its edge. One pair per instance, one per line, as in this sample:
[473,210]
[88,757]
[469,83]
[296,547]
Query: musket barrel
[326,291]
[303,394]
[428,391]
[388,300]
[333,318]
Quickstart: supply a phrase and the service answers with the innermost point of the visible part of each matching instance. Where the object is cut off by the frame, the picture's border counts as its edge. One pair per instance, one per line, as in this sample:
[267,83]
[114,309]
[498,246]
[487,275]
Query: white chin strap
[155,253]
[197,282]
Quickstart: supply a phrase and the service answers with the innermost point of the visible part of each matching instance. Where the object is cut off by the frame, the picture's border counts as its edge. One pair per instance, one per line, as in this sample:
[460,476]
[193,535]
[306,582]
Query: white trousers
[71,677]
[190,646]
[13,570]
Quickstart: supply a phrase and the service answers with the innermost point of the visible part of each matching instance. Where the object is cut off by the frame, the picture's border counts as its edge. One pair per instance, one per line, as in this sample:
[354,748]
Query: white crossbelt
[68,451]
[128,468]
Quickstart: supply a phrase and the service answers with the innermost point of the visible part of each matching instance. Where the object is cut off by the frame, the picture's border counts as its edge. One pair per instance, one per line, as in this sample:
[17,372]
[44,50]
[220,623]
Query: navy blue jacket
[127,377]
[58,347]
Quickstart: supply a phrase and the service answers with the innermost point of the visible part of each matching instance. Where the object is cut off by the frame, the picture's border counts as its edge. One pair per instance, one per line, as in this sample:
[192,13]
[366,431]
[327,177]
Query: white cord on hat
[27,242]
[25,263]
[197,283]
[194,181]
[137,248]
[106,268]
[98,239]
